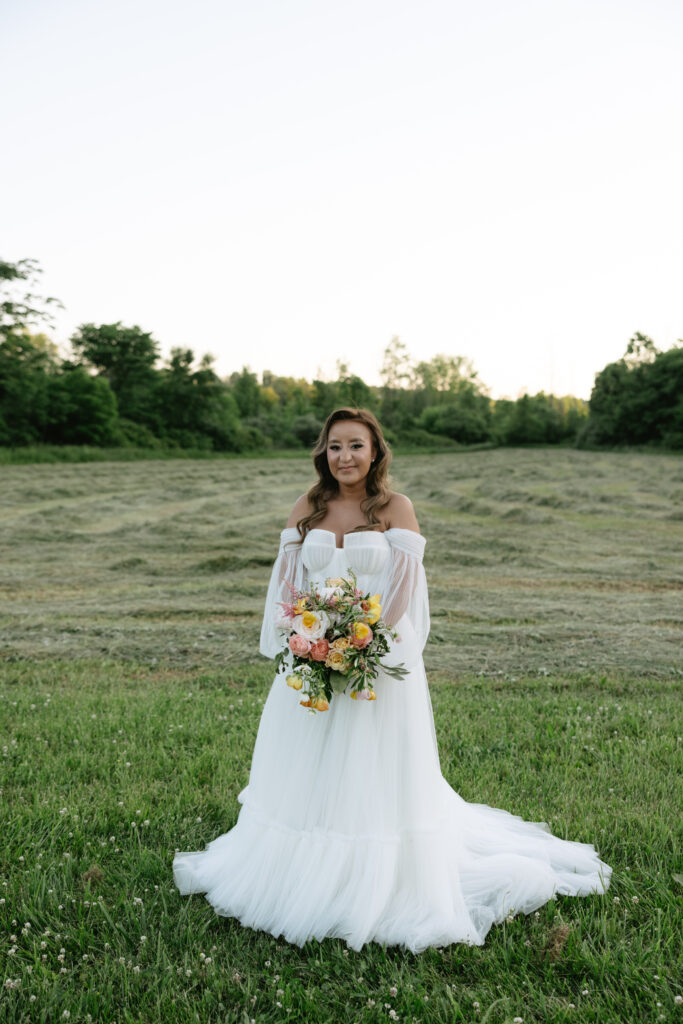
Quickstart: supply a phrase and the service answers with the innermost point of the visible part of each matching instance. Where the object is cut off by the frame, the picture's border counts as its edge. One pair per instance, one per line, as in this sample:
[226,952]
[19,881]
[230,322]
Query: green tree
[126,357]
[195,407]
[20,309]
[24,370]
[81,409]
[639,398]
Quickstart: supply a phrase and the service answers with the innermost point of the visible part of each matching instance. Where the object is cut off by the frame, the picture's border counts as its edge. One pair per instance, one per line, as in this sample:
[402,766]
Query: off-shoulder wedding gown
[347,827]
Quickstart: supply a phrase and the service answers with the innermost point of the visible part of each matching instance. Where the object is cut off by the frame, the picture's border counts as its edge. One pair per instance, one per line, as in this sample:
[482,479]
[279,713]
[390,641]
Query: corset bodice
[367,553]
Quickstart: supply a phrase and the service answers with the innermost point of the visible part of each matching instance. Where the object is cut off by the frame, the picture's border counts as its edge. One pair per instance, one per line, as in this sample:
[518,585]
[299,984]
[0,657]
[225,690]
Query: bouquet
[336,641]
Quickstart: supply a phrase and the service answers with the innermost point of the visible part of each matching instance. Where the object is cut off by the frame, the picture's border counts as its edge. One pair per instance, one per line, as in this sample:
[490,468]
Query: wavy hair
[376,483]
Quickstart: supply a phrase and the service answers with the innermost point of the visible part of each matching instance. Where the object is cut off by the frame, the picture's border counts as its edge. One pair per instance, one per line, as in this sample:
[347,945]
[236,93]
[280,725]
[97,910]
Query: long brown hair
[376,483]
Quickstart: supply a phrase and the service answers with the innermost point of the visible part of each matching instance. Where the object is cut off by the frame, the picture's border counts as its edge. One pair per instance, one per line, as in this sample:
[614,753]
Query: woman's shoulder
[302,507]
[399,513]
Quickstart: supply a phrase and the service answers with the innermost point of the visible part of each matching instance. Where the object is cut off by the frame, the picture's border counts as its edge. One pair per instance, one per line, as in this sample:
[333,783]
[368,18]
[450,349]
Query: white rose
[315,631]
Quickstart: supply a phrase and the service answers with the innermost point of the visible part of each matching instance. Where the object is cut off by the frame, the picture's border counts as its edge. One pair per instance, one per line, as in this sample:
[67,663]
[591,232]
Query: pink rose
[319,649]
[299,645]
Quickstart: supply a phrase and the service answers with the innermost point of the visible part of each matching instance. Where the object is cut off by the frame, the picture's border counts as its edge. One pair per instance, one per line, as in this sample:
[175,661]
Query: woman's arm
[400,514]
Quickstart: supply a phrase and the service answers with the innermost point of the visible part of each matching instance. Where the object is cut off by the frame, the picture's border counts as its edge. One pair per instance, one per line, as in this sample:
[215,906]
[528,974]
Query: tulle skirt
[347,829]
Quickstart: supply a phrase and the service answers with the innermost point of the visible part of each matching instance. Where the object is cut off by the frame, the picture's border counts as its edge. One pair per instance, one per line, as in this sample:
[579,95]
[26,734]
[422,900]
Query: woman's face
[350,451]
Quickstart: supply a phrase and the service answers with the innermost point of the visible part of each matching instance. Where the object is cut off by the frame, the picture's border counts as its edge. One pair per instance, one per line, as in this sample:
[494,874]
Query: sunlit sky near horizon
[289,184]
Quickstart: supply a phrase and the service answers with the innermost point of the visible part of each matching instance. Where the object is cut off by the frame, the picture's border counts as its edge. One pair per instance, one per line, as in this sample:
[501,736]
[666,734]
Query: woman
[347,827]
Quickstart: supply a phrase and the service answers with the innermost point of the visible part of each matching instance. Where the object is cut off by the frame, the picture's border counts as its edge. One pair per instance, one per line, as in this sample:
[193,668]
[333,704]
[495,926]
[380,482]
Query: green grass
[130,695]
[110,768]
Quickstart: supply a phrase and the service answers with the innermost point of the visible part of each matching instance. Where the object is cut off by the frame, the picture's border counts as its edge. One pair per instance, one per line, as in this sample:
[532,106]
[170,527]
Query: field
[130,693]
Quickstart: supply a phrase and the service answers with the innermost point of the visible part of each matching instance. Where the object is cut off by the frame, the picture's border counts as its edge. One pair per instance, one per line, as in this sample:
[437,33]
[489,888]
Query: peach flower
[319,649]
[299,645]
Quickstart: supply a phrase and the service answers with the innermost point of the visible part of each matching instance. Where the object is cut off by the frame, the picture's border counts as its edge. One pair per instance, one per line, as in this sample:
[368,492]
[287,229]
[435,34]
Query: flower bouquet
[335,641]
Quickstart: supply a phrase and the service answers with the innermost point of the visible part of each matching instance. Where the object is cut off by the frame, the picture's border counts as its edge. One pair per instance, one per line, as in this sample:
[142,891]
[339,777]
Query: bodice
[367,553]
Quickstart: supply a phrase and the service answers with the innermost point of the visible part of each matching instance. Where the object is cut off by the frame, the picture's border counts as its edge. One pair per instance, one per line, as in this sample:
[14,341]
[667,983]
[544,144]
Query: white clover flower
[393,991]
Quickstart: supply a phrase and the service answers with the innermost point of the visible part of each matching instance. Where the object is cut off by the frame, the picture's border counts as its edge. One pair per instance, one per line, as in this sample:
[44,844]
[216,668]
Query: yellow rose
[334,581]
[296,682]
[372,612]
[340,644]
[336,661]
[360,633]
[300,606]
[321,704]
[309,619]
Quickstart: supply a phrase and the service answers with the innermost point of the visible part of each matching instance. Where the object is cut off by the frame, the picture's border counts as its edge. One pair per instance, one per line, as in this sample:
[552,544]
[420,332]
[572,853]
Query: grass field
[130,694]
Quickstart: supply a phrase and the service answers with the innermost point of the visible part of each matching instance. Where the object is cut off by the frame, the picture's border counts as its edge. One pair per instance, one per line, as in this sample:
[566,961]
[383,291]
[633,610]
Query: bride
[347,827]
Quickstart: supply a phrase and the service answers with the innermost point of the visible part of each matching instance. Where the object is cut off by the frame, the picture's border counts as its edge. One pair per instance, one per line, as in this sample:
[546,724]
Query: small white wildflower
[616,900]
[136,969]
[66,1014]
[584,992]
[393,991]
[678,1000]
[634,899]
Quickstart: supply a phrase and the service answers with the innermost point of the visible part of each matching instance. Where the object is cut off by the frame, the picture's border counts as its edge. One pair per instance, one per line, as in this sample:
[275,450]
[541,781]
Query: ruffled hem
[412,888]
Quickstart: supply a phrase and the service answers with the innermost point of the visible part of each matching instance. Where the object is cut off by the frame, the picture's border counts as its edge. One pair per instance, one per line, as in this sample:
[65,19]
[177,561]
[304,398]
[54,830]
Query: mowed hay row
[538,561]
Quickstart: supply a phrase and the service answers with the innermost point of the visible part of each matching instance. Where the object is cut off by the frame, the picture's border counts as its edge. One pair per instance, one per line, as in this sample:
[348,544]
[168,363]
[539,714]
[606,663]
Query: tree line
[114,390]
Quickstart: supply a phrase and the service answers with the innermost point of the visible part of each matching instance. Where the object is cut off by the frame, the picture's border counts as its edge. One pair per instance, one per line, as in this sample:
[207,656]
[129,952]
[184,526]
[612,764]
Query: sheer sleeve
[404,596]
[288,567]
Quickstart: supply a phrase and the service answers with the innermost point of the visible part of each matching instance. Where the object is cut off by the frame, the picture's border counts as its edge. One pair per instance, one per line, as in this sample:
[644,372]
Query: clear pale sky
[285,184]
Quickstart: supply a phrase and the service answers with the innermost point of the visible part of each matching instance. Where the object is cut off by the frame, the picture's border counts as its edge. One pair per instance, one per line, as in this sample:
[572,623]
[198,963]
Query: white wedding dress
[347,827]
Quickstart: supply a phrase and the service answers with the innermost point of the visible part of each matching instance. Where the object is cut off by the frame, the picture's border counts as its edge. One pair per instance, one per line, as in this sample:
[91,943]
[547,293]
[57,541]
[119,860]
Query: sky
[289,184]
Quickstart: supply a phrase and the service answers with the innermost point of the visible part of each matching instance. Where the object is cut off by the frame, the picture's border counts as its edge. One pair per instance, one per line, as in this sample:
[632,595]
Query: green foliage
[466,418]
[19,309]
[125,357]
[114,393]
[639,398]
[81,408]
